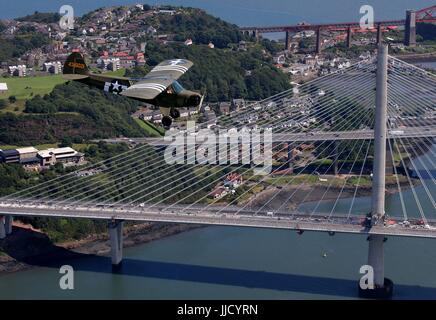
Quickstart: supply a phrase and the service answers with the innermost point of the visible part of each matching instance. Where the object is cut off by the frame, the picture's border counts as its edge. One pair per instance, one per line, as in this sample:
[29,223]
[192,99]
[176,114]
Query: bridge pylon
[379,34]
[318,48]
[349,36]
[288,41]
[116,240]
[8,224]
[383,287]
[2,228]
[410,29]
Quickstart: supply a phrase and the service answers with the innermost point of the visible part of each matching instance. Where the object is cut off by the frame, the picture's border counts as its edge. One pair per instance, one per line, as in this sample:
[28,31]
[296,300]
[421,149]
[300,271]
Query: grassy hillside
[70,110]
[27,87]
[150,128]
[223,72]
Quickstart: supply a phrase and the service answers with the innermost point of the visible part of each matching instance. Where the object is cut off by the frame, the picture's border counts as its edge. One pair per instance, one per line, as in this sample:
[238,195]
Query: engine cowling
[193,101]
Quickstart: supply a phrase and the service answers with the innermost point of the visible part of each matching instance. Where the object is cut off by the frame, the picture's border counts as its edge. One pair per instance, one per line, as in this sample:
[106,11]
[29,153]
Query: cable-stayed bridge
[375,114]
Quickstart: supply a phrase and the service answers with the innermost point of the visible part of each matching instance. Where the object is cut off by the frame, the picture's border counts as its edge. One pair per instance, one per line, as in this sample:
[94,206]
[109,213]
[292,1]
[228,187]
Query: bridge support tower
[410,29]
[379,34]
[318,41]
[8,224]
[116,239]
[288,41]
[349,37]
[256,34]
[2,227]
[5,226]
[383,287]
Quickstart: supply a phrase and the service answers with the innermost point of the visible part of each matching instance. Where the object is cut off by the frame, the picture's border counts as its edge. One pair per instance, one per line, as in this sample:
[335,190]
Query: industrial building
[65,155]
[21,155]
[28,155]
[32,157]
[9,156]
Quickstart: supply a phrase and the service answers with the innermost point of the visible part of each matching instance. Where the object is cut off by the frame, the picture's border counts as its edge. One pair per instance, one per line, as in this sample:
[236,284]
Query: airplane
[159,87]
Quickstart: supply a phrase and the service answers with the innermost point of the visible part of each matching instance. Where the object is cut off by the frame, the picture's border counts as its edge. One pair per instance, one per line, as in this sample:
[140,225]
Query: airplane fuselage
[116,85]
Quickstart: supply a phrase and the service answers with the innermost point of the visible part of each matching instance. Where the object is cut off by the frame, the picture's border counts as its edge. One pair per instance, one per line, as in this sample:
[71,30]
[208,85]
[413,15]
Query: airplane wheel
[174,113]
[166,122]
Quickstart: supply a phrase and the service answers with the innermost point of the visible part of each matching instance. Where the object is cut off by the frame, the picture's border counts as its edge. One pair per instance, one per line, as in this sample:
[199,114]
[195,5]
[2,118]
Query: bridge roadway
[367,134]
[222,216]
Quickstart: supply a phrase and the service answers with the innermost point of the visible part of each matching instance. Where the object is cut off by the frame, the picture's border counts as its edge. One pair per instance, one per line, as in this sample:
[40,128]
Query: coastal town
[117,37]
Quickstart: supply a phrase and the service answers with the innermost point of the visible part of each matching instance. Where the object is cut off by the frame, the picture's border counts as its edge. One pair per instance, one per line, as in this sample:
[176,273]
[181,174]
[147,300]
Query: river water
[236,263]
[427,65]
[242,263]
[241,12]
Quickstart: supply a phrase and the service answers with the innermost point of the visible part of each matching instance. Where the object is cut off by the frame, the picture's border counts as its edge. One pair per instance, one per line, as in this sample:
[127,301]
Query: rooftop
[57,151]
[11,152]
[27,150]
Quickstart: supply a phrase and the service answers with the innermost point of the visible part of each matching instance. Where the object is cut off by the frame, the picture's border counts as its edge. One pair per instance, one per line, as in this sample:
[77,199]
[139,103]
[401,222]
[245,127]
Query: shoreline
[417,58]
[306,194]
[20,256]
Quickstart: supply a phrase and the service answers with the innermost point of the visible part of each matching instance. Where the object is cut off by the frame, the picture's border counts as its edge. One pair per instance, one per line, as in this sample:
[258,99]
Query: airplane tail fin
[75,67]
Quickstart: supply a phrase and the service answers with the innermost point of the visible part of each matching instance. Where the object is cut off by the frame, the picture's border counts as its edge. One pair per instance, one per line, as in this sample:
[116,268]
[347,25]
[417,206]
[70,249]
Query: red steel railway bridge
[426,15]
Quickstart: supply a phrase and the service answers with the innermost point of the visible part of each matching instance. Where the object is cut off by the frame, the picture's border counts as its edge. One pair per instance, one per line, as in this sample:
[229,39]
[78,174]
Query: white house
[3,88]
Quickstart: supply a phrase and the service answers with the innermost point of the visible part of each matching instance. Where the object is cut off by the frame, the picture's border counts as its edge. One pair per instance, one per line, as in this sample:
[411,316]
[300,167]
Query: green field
[152,130]
[26,87]
[118,73]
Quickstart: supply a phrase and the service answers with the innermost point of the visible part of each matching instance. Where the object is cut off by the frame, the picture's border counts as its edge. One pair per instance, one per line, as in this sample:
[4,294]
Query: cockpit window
[177,87]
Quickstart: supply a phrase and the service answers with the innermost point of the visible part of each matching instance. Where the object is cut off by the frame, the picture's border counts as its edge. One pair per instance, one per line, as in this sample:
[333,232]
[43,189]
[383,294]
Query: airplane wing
[158,79]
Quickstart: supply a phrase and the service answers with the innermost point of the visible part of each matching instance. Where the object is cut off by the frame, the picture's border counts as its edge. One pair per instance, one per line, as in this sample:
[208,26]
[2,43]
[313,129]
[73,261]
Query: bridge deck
[220,216]
[418,132]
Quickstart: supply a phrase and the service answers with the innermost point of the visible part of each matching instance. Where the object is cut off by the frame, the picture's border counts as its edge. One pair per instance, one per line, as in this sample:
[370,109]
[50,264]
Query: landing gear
[166,122]
[174,113]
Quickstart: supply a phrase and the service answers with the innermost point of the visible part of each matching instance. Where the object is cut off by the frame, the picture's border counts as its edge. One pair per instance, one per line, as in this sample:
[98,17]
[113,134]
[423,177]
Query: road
[367,134]
[223,216]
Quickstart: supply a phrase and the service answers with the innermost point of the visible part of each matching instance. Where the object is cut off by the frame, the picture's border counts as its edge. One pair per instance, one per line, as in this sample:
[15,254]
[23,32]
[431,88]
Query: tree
[12,99]
[427,31]
[66,142]
[3,104]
